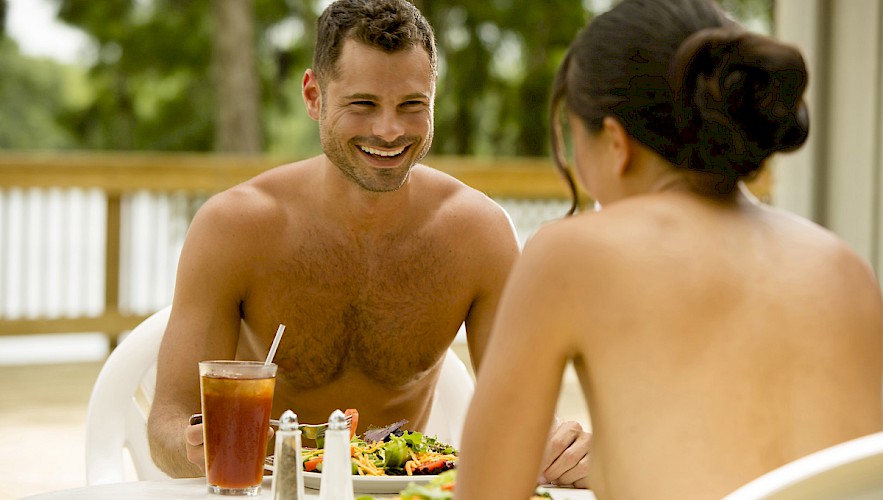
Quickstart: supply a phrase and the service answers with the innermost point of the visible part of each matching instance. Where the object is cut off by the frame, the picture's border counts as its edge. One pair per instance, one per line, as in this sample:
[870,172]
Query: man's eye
[413,104]
[362,103]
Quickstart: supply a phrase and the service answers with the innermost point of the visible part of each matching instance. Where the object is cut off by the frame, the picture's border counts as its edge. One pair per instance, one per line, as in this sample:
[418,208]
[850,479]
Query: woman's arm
[507,428]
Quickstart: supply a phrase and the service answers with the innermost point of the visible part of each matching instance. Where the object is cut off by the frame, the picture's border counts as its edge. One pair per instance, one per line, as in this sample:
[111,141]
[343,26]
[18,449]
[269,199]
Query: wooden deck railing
[119,174]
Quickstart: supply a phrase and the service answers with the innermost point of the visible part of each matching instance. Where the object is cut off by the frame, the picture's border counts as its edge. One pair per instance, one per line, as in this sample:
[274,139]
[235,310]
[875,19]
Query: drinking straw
[275,345]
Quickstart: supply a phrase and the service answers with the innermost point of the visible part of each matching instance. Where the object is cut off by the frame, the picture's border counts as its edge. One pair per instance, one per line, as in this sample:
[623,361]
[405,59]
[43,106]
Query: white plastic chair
[453,392]
[117,415]
[848,471]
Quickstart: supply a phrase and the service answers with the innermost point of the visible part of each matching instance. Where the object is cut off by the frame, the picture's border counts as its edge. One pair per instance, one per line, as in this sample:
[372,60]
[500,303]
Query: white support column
[854,104]
[878,222]
[797,177]
[837,178]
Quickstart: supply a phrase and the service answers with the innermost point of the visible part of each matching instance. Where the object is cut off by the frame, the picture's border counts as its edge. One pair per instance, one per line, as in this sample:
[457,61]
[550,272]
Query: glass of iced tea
[236,400]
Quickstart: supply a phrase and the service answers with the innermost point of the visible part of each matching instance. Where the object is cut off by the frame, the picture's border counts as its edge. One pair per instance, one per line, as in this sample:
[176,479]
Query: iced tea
[236,401]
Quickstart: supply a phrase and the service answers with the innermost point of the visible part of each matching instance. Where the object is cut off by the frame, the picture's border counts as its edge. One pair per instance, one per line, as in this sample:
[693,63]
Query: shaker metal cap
[337,421]
[288,421]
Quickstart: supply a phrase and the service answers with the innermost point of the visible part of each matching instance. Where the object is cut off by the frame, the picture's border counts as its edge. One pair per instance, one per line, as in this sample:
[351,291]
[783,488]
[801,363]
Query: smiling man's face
[376,118]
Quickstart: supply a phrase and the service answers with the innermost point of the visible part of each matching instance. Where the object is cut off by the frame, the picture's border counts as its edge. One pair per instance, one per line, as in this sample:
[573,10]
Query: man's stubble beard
[388,180]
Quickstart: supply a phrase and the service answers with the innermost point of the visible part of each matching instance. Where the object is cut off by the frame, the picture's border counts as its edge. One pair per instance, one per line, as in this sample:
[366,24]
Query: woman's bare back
[735,339]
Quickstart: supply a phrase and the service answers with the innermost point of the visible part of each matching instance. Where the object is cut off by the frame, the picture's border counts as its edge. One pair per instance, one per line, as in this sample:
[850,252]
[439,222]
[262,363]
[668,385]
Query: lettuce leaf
[395,453]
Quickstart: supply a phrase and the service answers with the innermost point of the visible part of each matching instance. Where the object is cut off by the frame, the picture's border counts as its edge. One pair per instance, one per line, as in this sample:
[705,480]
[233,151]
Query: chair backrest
[116,418]
[453,392]
[117,415]
[848,471]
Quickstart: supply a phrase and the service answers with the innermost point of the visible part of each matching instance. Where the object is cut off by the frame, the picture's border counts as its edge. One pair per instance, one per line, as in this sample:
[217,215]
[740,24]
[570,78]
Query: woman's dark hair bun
[738,98]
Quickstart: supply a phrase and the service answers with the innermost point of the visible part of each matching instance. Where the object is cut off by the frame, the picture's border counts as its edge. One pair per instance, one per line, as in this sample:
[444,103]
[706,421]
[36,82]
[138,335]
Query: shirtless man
[715,338]
[371,260]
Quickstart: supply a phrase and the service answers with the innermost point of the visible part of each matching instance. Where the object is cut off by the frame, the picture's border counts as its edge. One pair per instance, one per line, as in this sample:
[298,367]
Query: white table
[196,488]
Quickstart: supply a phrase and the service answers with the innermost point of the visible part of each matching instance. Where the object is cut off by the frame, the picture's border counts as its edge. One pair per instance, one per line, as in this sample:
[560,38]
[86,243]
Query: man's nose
[389,125]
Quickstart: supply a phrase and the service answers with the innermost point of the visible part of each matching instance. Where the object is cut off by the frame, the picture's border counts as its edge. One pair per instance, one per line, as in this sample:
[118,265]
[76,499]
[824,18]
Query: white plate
[371,484]
[363,484]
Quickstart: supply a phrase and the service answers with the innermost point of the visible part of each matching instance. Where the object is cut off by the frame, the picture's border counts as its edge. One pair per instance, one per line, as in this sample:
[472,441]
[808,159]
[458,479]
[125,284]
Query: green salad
[402,453]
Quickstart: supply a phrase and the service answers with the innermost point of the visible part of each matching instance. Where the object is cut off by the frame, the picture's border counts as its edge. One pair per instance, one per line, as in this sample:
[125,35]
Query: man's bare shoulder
[260,200]
[458,203]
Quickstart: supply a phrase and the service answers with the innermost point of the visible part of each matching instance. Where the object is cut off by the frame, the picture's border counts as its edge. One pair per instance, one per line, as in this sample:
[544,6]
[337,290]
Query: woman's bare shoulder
[577,250]
[822,245]
[608,234]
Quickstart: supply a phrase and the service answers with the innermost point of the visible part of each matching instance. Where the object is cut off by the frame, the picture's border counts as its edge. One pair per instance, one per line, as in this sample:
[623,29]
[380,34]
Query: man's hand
[193,438]
[566,461]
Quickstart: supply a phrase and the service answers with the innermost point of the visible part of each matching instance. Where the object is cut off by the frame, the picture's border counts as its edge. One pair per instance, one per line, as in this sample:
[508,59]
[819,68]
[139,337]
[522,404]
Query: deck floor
[42,418]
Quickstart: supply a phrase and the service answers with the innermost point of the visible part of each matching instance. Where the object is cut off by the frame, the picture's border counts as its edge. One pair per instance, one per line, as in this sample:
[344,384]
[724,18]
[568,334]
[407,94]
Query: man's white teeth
[377,152]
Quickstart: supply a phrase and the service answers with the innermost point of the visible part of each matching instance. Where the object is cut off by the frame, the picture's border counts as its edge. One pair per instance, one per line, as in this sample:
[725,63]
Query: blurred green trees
[155,81]
[35,95]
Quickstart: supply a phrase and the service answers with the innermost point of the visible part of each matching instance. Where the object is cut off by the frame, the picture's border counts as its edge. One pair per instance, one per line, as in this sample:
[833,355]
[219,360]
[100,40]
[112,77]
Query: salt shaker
[288,482]
[337,469]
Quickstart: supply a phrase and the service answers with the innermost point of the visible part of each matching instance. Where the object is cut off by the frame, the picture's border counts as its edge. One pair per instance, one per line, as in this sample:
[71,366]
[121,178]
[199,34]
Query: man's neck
[364,212]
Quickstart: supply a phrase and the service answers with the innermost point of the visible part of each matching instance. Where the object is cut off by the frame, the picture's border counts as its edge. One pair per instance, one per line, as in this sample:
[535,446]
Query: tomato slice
[312,464]
[355,423]
[431,466]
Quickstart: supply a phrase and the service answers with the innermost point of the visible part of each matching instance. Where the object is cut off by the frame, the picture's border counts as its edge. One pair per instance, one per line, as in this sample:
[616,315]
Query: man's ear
[312,94]
[620,143]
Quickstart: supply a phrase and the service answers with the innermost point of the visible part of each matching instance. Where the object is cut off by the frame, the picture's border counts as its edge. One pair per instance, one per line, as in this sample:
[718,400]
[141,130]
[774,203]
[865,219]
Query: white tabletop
[196,488]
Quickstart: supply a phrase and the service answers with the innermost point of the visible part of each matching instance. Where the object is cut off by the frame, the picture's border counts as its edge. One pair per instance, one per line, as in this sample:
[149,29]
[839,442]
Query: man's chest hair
[390,316]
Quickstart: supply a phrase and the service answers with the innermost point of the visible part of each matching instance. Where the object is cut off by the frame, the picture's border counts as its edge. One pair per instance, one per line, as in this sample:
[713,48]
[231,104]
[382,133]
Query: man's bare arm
[176,447]
[204,324]
[497,245]
[169,441]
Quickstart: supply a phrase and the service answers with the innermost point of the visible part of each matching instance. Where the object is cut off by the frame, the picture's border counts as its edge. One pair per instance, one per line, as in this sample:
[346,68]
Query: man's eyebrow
[416,95]
[367,97]
[372,97]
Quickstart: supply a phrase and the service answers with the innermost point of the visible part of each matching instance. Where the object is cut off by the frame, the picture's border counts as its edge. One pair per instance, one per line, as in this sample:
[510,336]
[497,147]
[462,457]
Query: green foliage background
[149,86]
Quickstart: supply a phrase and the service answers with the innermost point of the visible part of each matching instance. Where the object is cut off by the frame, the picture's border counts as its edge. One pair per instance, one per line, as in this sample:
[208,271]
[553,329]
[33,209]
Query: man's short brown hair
[388,25]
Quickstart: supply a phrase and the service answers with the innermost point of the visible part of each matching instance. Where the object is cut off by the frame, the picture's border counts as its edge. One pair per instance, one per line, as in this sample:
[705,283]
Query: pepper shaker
[288,482]
[337,469]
